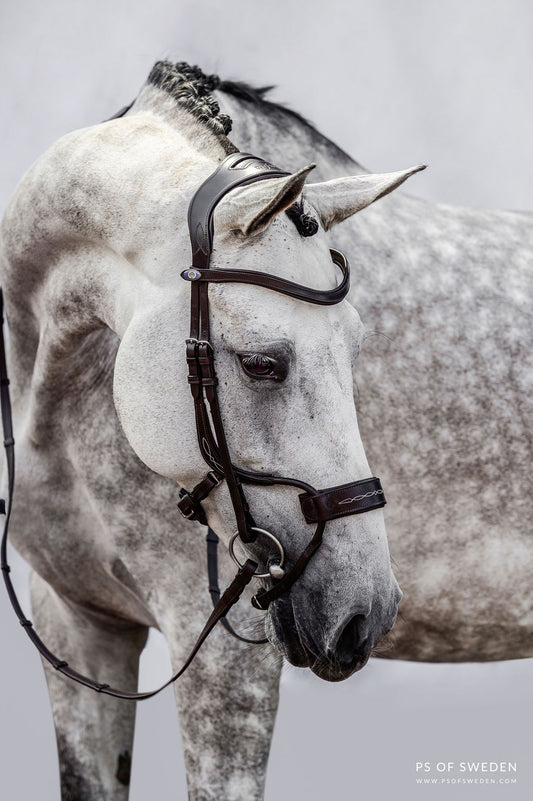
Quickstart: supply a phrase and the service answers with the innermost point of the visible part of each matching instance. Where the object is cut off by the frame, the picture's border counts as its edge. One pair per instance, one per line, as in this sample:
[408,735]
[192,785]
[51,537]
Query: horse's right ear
[338,199]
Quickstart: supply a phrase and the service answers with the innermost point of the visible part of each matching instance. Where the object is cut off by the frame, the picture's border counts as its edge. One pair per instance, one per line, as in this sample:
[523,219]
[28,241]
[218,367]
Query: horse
[106,432]
[91,244]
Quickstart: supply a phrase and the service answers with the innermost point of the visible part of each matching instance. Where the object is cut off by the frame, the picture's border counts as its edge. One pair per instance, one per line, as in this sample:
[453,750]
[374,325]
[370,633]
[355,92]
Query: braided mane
[191,89]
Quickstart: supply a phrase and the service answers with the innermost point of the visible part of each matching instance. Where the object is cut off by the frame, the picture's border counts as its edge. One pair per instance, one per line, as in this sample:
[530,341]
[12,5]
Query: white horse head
[286,389]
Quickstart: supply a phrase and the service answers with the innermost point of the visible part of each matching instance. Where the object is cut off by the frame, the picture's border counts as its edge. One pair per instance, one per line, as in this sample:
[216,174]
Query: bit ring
[270,537]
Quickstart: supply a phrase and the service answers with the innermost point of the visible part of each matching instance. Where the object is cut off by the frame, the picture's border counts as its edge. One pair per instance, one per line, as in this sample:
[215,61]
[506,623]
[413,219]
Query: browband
[241,169]
[323,297]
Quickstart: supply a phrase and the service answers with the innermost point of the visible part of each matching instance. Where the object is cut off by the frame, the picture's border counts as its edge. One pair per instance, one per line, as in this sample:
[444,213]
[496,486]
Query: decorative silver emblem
[360,497]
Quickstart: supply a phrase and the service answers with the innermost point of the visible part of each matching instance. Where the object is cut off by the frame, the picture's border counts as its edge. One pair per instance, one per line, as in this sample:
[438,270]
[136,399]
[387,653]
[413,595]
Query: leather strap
[263,598]
[213,446]
[190,503]
[237,169]
[348,499]
[212,572]
[321,297]
[319,507]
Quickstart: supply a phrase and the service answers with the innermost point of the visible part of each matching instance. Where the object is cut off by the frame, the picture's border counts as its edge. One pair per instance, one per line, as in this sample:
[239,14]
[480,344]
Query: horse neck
[285,138]
[94,226]
[400,241]
[162,105]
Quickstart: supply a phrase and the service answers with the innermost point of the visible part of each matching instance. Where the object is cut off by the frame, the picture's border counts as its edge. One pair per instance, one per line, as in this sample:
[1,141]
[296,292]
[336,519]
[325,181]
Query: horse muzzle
[333,654]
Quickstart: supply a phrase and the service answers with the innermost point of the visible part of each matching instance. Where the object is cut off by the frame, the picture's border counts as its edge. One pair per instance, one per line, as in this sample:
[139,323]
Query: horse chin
[284,634]
[331,671]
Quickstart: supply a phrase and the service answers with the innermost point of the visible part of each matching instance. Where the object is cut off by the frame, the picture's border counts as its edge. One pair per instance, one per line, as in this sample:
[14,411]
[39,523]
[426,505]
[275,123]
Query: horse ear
[338,199]
[250,209]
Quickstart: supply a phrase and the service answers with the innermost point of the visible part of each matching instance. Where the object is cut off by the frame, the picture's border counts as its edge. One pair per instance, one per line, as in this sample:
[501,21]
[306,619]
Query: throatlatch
[318,506]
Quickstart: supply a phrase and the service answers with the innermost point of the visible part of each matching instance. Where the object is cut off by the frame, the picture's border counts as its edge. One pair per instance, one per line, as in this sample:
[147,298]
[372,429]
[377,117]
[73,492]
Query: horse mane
[257,96]
[192,90]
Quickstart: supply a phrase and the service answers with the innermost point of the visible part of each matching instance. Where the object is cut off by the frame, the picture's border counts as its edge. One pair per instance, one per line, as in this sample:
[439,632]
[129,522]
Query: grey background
[394,83]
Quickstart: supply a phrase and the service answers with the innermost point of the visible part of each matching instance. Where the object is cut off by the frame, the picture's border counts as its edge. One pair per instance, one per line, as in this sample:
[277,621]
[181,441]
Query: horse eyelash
[256,360]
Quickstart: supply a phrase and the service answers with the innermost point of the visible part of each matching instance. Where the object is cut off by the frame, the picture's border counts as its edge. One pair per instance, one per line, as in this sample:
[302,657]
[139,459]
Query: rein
[318,506]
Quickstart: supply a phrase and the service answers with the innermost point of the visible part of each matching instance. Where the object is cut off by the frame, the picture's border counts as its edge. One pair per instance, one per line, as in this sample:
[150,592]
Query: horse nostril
[350,640]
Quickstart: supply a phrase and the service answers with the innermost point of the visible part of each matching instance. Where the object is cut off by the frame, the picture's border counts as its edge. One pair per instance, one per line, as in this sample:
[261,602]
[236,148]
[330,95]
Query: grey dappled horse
[92,246]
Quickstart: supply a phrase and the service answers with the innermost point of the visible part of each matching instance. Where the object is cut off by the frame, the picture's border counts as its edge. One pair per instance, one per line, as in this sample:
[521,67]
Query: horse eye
[257,365]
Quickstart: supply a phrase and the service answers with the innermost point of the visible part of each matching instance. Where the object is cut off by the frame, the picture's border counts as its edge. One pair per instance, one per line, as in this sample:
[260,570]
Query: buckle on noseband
[189,505]
[186,506]
[275,571]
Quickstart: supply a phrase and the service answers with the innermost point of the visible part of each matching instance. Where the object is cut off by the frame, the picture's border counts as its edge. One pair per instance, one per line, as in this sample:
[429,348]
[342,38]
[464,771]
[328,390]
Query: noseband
[318,506]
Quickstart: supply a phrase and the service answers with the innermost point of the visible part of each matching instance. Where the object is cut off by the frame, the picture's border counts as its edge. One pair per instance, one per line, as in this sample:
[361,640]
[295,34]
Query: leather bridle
[318,506]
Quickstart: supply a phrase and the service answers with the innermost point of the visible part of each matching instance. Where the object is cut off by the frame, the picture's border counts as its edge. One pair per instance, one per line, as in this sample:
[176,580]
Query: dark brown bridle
[318,506]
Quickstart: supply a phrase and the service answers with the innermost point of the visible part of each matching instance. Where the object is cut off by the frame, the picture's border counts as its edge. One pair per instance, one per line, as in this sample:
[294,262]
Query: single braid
[306,225]
[191,90]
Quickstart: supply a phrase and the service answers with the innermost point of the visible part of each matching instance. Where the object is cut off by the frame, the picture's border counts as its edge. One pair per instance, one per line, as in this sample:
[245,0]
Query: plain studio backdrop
[395,83]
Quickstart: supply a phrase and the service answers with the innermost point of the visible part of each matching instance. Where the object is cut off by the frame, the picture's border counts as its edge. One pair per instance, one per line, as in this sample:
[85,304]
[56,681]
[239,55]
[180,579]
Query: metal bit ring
[270,537]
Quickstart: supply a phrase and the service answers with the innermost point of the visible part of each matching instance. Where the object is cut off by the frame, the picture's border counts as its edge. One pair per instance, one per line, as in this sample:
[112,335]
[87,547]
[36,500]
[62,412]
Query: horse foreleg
[227,702]
[94,732]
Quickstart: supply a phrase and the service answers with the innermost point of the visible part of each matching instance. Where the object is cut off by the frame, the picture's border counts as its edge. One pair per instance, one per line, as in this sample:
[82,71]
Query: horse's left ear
[250,209]
[338,199]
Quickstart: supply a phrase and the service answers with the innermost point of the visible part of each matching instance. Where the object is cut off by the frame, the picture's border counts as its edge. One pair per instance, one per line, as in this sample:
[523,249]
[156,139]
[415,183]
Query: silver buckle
[215,478]
[194,341]
[187,516]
